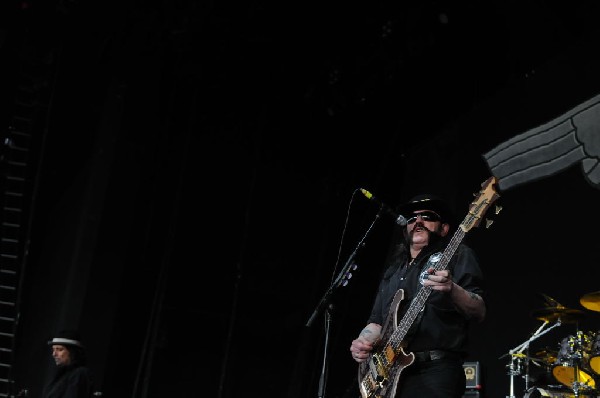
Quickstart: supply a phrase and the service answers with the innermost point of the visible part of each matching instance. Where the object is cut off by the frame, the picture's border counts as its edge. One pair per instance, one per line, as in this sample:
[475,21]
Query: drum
[595,354]
[572,362]
[555,392]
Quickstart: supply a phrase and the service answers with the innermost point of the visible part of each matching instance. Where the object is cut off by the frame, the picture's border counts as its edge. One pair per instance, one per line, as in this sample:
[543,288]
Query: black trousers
[440,378]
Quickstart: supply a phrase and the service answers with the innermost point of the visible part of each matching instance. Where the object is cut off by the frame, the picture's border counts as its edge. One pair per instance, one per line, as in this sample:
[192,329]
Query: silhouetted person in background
[72,378]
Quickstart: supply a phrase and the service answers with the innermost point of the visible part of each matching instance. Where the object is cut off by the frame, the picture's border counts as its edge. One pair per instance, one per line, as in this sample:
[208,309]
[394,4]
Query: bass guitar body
[378,376]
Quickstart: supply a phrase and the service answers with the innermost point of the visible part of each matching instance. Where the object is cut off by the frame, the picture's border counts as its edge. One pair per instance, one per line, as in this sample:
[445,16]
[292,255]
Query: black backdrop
[200,162]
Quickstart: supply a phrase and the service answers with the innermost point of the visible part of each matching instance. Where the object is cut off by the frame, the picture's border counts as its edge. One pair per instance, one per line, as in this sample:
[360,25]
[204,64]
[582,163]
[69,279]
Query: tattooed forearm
[366,333]
[371,332]
[470,304]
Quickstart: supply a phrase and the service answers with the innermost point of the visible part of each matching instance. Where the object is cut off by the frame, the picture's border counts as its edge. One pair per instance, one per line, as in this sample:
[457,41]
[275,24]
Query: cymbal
[591,301]
[553,314]
[545,356]
[550,302]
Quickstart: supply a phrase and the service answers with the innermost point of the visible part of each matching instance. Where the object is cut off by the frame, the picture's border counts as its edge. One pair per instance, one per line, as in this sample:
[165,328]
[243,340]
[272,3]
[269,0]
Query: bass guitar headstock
[483,201]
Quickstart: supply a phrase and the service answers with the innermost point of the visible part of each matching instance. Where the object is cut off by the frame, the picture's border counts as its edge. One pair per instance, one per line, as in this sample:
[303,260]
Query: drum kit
[574,365]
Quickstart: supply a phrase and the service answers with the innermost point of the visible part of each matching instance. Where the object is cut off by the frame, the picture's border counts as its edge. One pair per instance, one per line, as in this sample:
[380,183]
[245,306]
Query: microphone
[400,219]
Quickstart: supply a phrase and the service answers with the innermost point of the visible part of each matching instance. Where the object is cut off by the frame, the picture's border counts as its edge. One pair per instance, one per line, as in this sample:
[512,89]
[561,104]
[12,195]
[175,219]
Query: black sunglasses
[425,216]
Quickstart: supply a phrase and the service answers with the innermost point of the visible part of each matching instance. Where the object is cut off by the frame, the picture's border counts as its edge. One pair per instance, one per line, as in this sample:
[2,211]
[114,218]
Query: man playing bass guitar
[425,307]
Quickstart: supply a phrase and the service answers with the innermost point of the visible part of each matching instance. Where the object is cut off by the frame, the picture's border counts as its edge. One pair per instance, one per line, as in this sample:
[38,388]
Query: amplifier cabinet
[472,375]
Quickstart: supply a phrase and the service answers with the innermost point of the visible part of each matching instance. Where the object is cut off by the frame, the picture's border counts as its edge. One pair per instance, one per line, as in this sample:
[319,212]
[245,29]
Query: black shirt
[440,326]
[70,382]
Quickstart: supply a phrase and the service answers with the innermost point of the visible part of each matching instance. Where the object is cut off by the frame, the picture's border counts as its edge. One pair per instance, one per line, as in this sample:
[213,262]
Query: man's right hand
[362,346]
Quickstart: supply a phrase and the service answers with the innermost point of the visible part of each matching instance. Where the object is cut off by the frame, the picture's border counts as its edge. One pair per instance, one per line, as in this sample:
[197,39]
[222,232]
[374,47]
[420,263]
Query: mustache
[421,226]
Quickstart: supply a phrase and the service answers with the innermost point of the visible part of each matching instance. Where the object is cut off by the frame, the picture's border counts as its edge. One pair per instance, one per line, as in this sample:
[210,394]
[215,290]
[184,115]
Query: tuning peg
[488,222]
[498,209]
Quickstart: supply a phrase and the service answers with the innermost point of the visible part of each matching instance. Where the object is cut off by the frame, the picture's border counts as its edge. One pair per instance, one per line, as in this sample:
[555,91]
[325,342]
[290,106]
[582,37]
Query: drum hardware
[515,365]
[591,301]
[571,368]
[554,392]
[595,354]
[570,365]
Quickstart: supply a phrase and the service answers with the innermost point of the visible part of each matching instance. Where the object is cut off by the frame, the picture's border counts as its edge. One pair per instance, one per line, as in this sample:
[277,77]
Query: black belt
[426,356]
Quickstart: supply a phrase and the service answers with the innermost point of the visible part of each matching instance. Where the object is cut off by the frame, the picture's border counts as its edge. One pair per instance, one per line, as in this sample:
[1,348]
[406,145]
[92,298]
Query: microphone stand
[341,280]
